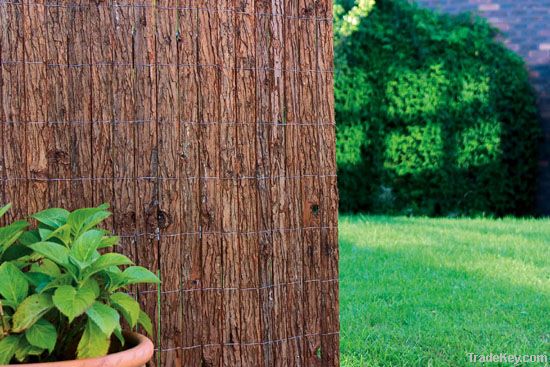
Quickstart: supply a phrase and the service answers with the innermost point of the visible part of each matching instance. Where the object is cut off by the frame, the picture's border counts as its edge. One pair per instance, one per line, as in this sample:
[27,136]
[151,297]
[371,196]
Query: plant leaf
[5,209]
[45,233]
[94,343]
[104,264]
[118,334]
[64,279]
[53,251]
[73,302]
[38,280]
[9,234]
[105,317]
[109,241]
[47,267]
[62,233]
[83,219]
[10,304]
[42,334]
[30,310]
[13,284]
[8,346]
[114,277]
[110,259]
[127,306]
[85,247]
[92,284]
[53,217]
[138,274]
[24,349]
[30,237]
[16,252]
[145,322]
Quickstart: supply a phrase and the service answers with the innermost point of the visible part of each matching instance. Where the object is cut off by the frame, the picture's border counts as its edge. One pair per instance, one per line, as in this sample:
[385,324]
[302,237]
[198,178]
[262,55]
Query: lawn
[425,292]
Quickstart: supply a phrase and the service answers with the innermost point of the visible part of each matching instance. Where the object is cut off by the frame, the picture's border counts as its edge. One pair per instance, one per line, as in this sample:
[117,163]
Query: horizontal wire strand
[132,65]
[202,123]
[247,344]
[199,233]
[161,178]
[234,289]
[179,8]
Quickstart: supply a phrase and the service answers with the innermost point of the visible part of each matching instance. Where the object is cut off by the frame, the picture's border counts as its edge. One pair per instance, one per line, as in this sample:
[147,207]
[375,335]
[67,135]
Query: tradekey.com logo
[540,359]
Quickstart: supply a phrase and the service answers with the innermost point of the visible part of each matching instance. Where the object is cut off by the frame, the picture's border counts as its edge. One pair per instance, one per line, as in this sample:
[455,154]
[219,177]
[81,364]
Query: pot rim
[143,351]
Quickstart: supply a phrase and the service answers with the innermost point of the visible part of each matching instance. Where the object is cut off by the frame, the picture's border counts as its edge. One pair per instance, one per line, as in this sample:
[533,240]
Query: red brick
[489,7]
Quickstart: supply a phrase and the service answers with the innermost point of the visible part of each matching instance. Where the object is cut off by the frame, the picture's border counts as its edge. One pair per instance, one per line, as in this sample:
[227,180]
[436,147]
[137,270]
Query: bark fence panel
[209,128]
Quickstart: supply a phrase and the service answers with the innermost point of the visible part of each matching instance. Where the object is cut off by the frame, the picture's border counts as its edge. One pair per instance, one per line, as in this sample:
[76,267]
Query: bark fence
[209,128]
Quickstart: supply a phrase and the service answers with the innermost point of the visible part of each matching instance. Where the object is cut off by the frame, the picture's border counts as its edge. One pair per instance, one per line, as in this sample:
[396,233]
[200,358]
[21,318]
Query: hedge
[434,116]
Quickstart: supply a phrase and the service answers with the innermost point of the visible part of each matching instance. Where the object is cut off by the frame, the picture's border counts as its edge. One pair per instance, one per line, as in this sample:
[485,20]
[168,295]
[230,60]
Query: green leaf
[138,274]
[12,228]
[25,349]
[62,233]
[73,302]
[110,259]
[8,346]
[127,306]
[86,218]
[92,284]
[13,284]
[45,233]
[38,280]
[94,343]
[118,334]
[115,277]
[105,317]
[10,304]
[42,334]
[54,217]
[30,310]
[53,251]
[30,237]
[84,247]
[16,252]
[145,322]
[103,206]
[5,209]
[105,263]
[65,279]
[47,267]
[9,234]
[109,241]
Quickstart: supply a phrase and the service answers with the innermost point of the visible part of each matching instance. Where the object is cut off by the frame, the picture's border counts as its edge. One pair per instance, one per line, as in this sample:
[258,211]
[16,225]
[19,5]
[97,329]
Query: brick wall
[526,28]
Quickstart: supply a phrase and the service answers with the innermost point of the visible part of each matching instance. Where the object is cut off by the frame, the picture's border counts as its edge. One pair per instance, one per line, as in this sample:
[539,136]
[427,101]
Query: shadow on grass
[406,307]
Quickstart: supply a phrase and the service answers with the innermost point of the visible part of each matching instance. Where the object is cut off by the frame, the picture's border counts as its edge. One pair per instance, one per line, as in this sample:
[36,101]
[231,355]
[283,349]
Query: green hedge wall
[434,116]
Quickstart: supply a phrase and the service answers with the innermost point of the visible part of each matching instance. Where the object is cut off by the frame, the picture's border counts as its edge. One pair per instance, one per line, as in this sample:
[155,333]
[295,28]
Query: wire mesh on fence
[208,125]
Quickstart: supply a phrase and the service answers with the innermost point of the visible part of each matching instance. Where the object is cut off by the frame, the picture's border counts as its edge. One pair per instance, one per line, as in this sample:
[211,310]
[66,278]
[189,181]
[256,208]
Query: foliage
[348,21]
[427,291]
[434,116]
[61,290]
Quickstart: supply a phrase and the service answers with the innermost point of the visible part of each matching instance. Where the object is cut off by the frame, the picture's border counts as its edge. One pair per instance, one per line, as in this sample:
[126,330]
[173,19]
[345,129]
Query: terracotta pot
[136,356]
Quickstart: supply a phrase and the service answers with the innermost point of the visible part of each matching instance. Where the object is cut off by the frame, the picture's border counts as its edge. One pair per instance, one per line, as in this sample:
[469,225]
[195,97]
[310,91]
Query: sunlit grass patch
[419,291]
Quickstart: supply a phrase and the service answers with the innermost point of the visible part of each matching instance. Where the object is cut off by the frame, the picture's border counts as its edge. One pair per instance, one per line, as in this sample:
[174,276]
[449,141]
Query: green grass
[425,292]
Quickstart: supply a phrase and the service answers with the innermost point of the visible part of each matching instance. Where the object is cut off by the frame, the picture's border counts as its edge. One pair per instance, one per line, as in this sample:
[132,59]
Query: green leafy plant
[62,293]
[433,109]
